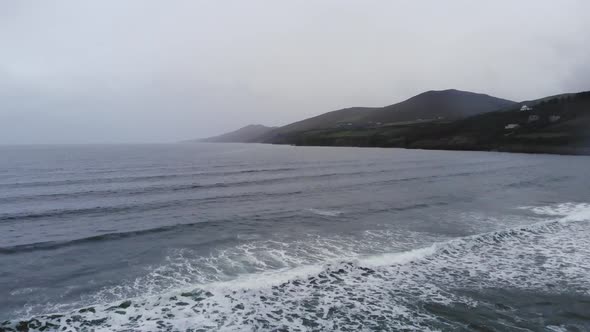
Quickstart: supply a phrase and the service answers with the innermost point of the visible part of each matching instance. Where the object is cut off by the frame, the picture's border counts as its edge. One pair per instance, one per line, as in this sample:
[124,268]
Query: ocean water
[232,237]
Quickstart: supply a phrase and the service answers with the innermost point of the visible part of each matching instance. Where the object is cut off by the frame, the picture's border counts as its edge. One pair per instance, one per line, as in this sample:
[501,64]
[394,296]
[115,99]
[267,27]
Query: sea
[250,237]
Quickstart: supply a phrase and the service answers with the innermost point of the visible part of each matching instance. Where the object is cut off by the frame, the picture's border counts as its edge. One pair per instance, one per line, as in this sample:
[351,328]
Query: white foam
[22,291]
[326,213]
[268,279]
[568,211]
[247,237]
[549,256]
[399,258]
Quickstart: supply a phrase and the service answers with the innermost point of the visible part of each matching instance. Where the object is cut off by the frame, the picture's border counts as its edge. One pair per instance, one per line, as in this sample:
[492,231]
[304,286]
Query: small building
[533,118]
[525,108]
[554,118]
[512,126]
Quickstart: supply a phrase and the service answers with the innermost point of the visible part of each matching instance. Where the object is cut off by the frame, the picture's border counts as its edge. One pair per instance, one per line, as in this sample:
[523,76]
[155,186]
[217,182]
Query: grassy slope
[450,104]
[487,131]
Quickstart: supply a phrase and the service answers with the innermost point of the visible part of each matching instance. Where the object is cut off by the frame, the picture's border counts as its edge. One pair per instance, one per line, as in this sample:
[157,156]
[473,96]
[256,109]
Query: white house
[554,118]
[525,108]
[512,126]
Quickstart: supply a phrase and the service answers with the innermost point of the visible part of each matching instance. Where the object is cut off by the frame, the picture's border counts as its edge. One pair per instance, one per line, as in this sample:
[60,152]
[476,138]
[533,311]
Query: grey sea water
[235,237]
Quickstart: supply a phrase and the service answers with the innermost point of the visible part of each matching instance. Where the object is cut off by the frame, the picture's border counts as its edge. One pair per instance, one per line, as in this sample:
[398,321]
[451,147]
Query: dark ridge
[557,124]
[431,105]
[448,104]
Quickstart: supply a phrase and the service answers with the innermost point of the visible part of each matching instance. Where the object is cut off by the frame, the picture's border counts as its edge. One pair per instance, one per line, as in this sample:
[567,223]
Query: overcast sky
[149,71]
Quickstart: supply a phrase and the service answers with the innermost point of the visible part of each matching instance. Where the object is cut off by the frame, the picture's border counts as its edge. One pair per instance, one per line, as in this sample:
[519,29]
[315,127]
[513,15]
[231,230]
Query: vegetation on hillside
[558,125]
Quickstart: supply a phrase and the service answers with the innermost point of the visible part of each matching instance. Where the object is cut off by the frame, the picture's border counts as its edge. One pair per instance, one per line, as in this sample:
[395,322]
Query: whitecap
[326,213]
[386,291]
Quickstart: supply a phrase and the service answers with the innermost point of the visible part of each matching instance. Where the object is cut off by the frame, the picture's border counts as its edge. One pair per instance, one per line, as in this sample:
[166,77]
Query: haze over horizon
[155,71]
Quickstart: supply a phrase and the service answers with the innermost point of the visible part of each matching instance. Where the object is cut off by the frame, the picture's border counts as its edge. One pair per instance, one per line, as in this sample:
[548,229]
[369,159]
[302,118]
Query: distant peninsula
[248,134]
[443,120]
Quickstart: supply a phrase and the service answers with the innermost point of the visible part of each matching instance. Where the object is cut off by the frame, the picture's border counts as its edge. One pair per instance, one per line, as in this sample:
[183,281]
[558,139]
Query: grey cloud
[145,71]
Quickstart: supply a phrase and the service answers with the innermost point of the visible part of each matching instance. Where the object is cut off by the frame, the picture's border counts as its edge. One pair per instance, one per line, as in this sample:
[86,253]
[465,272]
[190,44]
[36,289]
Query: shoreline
[564,151]
[548,150]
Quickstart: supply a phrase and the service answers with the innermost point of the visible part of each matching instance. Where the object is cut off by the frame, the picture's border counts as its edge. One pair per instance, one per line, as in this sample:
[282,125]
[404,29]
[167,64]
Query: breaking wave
[425,289]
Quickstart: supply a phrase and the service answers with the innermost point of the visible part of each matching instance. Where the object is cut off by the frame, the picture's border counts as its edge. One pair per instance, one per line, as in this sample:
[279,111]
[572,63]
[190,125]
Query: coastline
[552,150]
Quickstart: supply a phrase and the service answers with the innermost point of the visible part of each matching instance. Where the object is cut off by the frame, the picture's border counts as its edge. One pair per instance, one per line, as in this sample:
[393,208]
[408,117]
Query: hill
[556,124]
[248,134]
[445,105]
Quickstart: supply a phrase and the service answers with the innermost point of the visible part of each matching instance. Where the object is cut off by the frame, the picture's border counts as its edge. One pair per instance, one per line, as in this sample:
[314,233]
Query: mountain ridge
[557,125]
[449,104]
[441,120]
